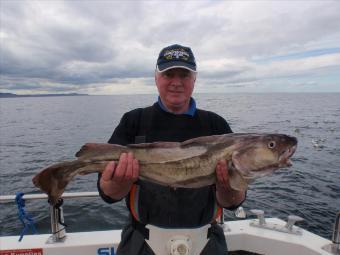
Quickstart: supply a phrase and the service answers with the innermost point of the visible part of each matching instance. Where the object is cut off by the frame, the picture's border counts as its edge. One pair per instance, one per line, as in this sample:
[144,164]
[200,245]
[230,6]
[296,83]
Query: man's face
[175,87]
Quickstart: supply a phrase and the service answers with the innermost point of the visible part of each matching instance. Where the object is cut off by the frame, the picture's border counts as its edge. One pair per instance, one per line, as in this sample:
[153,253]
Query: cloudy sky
[110,47]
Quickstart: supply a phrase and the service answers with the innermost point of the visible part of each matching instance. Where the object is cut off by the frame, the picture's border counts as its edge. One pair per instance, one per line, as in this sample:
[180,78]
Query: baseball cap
[176,56]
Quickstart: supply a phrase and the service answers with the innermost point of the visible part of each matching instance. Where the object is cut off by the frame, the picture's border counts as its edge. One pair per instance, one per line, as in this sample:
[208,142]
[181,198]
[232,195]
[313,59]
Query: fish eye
[271,145]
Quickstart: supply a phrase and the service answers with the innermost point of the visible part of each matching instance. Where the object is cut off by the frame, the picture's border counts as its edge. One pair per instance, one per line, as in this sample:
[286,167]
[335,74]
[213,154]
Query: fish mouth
[284,159]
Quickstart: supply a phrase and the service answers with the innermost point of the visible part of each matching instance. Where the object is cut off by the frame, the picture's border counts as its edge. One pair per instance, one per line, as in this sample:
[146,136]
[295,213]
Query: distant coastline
[11,95]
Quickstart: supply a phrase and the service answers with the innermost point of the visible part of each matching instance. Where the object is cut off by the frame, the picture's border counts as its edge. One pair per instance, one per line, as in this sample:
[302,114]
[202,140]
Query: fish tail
[53,179]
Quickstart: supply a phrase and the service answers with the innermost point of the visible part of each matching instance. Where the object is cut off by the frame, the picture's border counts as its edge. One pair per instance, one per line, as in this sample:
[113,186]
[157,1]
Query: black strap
[206,121]
[144,124]
[211,230]
[140,227]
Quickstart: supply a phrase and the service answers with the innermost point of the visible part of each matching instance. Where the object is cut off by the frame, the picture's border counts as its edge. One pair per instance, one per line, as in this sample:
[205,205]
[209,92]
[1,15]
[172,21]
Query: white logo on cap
[176,53]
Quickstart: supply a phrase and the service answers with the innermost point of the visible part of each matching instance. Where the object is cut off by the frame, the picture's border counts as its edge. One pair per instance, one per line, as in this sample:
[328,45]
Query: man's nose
[176,80]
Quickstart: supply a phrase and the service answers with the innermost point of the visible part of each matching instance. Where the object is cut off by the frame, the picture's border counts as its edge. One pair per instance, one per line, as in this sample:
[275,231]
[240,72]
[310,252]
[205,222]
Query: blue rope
[25,219]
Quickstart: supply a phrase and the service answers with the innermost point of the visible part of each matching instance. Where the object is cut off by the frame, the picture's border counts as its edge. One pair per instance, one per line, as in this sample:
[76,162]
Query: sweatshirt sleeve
[126,130]
[123,134]
[219,124]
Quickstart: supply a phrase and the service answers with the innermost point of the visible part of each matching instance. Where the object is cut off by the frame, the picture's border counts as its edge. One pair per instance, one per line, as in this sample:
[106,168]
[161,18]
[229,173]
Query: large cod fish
[190,164]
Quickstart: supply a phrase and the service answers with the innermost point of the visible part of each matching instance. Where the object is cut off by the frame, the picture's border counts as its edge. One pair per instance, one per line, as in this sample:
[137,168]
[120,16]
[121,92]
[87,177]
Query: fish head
[259,155]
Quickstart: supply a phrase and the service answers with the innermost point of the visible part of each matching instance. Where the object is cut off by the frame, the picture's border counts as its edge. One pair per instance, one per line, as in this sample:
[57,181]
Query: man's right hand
[117,179]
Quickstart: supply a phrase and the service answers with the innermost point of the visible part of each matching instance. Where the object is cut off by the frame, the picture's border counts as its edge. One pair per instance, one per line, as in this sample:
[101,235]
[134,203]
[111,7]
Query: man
[173,118]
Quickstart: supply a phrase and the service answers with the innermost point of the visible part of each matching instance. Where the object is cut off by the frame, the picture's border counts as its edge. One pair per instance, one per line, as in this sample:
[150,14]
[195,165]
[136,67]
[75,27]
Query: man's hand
[226,196]
[117,179]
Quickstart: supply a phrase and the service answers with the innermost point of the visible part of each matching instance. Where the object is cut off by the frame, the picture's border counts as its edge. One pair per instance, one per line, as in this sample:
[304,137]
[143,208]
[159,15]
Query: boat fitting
[336,232]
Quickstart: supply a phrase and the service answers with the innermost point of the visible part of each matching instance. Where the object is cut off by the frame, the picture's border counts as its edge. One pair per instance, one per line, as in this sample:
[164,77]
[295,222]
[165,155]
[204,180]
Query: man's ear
[155,76]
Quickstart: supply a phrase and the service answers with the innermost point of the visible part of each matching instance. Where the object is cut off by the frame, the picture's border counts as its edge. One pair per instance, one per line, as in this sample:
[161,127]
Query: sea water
[38,131]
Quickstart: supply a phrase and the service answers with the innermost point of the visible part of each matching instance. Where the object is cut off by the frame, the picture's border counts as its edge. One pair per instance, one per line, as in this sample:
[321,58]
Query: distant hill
[9,95]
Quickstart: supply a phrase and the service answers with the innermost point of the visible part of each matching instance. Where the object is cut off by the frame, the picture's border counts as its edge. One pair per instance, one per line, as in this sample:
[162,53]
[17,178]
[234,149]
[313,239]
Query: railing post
[220,220]
[58,226]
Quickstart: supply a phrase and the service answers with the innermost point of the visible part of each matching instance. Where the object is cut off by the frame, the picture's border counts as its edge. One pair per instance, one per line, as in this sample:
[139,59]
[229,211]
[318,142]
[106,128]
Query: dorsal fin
[155,145]
[96,149]
[203,140]
[164,152]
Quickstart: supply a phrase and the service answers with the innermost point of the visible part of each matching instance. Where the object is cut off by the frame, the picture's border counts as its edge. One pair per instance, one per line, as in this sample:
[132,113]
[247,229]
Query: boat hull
[240,235]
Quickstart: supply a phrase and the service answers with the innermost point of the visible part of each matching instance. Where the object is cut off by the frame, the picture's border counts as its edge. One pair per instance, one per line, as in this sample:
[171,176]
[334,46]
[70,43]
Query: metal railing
[11,198]
[58,227]
[334,247]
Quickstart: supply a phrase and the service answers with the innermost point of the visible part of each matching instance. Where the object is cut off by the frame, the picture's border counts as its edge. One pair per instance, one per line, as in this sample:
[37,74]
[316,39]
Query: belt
[169,240]
[140,227]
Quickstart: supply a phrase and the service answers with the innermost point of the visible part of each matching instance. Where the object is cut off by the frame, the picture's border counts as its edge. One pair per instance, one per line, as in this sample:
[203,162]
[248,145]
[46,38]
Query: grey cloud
[18,85]
[194,32]
[227,73]
[77,44]
[48,46]
[229,82]
[288,32]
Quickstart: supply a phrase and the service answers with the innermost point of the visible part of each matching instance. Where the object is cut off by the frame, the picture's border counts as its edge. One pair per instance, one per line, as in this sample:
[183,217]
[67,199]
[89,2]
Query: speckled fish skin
[190,164]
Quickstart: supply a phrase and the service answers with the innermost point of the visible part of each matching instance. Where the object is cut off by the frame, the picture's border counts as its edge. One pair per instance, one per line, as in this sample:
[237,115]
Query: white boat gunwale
[240,235]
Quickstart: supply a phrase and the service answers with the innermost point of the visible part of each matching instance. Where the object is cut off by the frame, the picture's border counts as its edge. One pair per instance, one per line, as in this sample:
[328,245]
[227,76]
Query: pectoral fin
[236,181]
